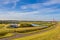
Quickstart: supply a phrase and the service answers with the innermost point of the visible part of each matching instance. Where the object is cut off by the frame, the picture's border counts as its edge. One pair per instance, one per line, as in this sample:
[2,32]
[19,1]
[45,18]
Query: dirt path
[19,35]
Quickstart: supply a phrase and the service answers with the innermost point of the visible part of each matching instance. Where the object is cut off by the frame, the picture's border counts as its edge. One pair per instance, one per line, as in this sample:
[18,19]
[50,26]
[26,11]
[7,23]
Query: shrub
[26,25]
[3,32]
[2,25]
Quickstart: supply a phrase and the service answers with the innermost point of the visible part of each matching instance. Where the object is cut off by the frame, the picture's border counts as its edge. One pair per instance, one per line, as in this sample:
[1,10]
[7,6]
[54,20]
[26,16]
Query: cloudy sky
[35,10]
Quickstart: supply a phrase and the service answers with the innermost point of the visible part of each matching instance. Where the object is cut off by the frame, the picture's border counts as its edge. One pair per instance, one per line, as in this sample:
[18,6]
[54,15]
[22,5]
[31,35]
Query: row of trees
[6,22]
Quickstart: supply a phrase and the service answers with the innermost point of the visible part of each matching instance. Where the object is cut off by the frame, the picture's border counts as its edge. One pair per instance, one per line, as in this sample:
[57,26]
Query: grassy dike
[6,35]
[53,34]
[7,32]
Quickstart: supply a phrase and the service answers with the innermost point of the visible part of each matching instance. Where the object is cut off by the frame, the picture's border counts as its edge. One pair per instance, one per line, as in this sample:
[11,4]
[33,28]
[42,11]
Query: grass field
[53,34]
[7,31]
[7,35]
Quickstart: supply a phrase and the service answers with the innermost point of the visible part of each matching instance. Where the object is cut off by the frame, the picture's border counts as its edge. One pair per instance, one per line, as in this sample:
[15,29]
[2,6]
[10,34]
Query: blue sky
[35,10]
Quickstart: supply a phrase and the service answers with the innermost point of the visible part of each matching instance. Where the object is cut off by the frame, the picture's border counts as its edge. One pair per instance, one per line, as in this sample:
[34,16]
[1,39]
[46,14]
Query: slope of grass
[2,26]
[53,34]
[4,32]
[6,35]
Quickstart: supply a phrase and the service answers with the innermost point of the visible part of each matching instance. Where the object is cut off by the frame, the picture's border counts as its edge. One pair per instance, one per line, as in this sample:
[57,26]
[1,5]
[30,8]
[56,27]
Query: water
[35,25]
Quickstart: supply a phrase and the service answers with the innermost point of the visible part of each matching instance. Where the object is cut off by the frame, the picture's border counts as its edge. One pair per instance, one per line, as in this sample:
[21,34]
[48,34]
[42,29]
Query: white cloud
[34,15]
[8,1]
[40,5]
[15,15]
[32,6]
[40,13]
[51,2]
[4,2]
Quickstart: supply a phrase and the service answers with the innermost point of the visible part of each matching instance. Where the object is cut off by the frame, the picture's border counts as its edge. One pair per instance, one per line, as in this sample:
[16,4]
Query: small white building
[14,25]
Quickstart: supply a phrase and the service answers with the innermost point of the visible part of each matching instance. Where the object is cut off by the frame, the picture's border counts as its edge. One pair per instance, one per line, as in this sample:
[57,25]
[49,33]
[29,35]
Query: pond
[35,25]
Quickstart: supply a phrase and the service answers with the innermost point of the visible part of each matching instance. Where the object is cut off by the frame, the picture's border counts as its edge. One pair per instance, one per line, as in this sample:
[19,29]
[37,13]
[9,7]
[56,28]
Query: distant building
[14,25]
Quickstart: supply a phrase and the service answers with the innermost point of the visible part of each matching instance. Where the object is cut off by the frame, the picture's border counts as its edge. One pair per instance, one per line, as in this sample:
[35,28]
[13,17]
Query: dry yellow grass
[7,35]
[11,30]
[53,34]
[4,30]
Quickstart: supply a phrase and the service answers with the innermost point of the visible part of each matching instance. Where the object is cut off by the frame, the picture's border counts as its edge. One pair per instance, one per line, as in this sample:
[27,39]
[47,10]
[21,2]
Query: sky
[31,10]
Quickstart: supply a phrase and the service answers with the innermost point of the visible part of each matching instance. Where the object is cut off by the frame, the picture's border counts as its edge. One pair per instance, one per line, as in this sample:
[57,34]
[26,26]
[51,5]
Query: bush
[2,25]
[2,33]
[26,25]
